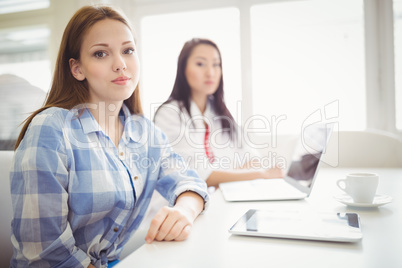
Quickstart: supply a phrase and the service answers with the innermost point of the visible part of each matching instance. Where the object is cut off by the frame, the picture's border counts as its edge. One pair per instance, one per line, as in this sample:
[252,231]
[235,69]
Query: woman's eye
[100,54]
[217,65]
[199,64]
[129,51]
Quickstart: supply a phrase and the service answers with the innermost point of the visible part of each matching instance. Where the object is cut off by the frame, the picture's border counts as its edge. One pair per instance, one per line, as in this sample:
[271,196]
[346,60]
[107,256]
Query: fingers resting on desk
[170,224]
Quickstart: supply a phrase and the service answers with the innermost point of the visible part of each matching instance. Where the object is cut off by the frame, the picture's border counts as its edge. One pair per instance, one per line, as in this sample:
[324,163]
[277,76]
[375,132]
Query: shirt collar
[208,114]
[88,122]
[132,127]
[209,110]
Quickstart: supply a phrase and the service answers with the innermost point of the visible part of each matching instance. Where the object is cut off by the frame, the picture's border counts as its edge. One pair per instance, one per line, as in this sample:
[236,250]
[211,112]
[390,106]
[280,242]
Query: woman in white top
[199,125]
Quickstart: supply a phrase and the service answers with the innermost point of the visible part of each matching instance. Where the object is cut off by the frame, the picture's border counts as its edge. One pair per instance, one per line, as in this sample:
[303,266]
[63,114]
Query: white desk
[210,244]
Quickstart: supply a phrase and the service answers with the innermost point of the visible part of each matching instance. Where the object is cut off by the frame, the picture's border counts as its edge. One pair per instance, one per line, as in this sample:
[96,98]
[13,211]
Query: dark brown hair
[182,92]
[66,91]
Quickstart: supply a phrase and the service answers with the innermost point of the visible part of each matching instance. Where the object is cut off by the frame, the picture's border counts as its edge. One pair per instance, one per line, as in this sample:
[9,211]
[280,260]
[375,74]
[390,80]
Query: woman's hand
[272,173]
[169,224]
[175,223]
[261,172]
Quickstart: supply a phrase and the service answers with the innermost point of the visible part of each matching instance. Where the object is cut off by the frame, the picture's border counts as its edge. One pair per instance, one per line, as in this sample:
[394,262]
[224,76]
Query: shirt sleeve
[171,120]
[174,176]
[41,234]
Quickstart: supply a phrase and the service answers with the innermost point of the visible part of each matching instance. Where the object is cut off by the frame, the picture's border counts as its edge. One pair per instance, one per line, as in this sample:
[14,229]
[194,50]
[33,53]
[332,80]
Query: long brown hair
[66,91]
[182,91]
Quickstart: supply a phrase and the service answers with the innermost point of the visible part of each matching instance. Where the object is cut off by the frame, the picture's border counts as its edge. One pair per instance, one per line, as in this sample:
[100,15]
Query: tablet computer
[300,224]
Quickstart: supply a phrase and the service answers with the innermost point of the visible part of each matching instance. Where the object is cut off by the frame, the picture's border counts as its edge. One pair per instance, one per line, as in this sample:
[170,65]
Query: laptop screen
[301,172]
[308,152]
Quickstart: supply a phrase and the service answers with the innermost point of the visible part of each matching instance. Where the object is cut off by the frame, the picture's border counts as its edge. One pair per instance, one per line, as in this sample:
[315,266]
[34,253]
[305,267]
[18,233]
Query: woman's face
[203,70]
[108,62]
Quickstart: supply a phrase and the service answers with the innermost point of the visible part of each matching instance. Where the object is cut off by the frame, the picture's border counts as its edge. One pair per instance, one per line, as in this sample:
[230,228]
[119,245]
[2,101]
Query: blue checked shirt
[77,198]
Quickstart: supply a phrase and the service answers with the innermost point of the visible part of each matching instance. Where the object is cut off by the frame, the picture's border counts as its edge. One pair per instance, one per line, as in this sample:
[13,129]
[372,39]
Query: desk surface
[211,245]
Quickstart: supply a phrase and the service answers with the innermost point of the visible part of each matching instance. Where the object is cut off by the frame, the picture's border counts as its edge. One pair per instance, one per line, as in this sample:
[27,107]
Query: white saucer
[379,200]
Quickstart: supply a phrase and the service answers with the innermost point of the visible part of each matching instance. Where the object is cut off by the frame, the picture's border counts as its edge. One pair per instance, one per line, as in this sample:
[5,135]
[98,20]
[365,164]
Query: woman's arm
[218,176]
[38,183]
[175,223]
[186,192]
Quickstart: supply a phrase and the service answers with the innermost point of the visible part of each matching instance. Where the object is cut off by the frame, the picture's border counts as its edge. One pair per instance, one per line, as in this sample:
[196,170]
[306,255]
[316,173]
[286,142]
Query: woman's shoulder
[53,116]
[139,119]
[139,124]
[45,129]
[169,110]
[140,128]
[171,104]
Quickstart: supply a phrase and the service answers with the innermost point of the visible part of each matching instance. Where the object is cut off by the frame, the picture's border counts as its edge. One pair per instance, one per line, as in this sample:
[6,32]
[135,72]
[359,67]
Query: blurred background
[282,60]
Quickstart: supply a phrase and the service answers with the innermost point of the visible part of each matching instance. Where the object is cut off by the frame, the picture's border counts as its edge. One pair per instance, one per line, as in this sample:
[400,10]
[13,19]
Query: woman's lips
[122,80]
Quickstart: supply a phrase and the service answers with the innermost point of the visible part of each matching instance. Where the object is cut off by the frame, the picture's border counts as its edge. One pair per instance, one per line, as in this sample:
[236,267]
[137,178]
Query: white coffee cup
[360,186]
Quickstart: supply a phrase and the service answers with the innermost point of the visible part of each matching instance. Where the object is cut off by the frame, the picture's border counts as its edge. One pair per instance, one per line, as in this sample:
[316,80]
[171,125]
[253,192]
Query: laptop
[300,176]
[304,224]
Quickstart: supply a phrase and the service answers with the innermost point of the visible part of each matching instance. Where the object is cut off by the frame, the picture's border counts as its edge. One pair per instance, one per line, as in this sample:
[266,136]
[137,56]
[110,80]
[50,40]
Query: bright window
[398,61]
[24,67]
[306,55]
[10,6]
[162,38]
[24,52]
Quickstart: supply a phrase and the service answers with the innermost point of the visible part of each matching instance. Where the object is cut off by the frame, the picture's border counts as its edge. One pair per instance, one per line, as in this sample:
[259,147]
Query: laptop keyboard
[261,189]
[274,188]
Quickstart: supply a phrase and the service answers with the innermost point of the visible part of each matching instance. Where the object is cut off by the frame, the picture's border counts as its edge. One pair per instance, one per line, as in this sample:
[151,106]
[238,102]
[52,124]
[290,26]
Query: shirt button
[121,153]
[116,229]
[136,178]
